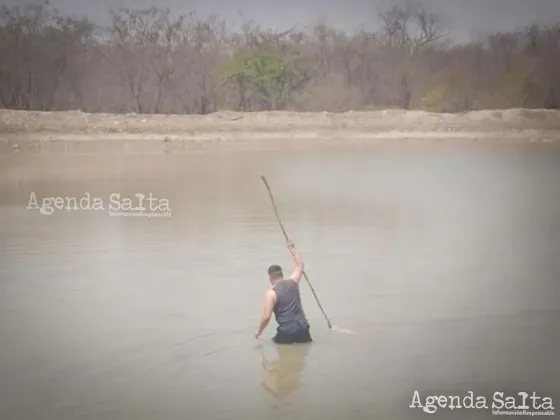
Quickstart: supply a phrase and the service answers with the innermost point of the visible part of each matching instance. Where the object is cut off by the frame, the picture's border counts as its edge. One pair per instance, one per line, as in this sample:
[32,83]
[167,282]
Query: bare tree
[36,45]
[152,61]
[405,35]
[142,49]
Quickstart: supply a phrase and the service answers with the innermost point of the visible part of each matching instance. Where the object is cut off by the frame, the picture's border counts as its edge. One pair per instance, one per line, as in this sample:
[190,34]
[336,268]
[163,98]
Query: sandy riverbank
[75,131]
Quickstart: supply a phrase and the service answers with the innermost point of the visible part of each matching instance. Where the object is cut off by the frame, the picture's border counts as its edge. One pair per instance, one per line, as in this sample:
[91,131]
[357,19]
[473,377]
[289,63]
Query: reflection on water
[445,263]
[283,374]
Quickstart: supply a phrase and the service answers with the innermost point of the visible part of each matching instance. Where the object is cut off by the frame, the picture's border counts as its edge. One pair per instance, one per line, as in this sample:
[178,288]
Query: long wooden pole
[287,239]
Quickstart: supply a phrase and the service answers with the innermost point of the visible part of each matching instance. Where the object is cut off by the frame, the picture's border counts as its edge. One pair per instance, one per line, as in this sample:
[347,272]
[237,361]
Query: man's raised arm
[298,270]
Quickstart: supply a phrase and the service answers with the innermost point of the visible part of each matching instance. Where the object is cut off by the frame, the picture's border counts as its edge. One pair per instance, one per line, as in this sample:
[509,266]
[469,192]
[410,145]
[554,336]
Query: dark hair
[275,271]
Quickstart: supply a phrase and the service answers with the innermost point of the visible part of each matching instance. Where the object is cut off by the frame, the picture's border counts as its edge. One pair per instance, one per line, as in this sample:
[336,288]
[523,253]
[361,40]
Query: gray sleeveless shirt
[288,310]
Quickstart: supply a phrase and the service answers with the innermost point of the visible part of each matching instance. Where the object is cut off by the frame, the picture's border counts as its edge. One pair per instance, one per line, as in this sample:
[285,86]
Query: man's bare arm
[298,270]
[269,301]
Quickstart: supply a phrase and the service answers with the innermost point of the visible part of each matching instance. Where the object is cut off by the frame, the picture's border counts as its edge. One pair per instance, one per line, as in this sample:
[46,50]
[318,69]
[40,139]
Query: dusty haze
[466,19]
[150,60]
[443,259]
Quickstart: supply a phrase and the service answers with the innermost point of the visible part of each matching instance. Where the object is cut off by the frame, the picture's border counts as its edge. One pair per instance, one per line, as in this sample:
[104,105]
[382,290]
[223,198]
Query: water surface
[444,261]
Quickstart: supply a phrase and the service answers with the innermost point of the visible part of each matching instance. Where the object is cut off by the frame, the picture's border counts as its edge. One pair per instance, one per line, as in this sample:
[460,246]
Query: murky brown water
[446,263]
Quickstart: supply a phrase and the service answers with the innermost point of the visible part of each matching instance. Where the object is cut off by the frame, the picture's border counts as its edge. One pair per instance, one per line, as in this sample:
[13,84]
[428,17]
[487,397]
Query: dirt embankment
[78,131]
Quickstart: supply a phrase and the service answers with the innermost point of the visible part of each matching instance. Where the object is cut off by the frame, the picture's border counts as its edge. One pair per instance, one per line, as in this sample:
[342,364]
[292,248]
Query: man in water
[284,300]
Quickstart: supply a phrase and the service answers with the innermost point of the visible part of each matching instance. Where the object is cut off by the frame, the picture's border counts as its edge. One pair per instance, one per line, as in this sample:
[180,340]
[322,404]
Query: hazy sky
[465,17]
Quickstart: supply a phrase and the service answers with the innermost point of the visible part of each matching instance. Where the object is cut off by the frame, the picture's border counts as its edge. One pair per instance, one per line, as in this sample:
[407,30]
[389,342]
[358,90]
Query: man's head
[275,273]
